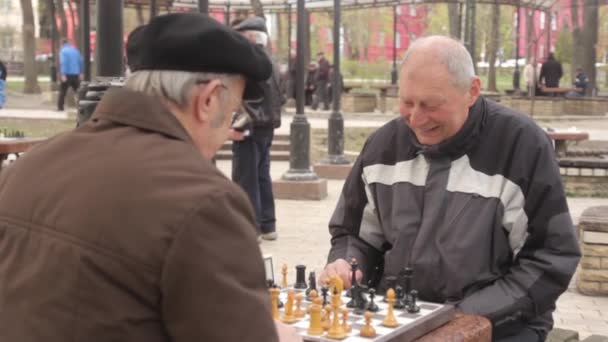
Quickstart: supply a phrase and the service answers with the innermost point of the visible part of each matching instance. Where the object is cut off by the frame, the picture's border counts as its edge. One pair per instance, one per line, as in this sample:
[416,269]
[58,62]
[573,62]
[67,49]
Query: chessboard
[411,325]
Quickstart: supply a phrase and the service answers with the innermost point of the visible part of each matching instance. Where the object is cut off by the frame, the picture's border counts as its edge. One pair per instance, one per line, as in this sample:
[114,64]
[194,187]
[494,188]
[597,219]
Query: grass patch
[17,86]
[37,127]
[354,139]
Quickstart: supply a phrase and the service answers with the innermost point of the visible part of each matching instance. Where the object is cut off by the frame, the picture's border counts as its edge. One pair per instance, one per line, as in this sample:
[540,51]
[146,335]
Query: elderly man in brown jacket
[123,230]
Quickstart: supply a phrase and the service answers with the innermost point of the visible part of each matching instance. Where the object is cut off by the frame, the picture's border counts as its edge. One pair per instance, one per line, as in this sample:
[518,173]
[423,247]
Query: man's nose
[415,117]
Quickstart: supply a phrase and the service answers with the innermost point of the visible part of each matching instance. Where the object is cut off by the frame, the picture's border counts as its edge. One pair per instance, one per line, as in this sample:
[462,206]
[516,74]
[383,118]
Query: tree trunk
[589,34]
[454,18]
[258,9]
[29,49]
[529,34]
[64,21]
[77,37]
[493,46]
[577,39]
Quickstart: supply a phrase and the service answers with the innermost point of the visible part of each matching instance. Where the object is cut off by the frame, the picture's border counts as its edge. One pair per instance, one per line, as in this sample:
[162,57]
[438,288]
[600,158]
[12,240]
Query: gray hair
[173,85]
[452,54]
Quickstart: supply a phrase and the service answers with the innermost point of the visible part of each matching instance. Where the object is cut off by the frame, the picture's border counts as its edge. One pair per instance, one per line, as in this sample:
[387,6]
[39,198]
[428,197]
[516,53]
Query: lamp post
[299,157]
[203,6]
[86,38]
[335,124]
[394,73]
[516,71]
[109,38]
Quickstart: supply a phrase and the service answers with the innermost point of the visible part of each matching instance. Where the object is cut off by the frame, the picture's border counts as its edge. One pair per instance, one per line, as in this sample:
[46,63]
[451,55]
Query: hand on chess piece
[287,333]
[341,268]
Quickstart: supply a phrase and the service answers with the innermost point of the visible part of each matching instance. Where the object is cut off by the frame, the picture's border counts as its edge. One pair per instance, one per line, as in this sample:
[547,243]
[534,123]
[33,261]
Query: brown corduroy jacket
[121,231]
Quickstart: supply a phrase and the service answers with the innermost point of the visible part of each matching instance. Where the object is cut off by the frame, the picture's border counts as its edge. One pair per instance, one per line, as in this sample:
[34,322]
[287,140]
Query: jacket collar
[133,108]
[466,138]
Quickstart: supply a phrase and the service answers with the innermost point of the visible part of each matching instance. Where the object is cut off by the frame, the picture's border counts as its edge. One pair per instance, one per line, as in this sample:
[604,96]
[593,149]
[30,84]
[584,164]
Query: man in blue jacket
[463,191]
[71,71]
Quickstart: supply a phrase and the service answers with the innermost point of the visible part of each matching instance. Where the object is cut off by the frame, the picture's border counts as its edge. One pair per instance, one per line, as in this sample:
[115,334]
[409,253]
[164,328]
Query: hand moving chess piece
[347,328]
[372,306]
[284,273]
[390,320]
[288,316]
[316,320]
[274,295]
[368,330]
[299,313]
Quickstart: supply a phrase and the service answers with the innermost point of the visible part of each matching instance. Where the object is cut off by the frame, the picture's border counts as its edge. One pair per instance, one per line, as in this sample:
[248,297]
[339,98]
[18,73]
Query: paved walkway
[304,239]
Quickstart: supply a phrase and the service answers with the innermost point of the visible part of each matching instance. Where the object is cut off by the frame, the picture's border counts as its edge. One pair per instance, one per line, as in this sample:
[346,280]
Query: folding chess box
[411,326]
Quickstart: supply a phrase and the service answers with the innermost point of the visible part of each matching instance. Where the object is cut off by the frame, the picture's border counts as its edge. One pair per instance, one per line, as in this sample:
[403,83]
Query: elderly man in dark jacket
[251,154]
[144,240]
[551,72]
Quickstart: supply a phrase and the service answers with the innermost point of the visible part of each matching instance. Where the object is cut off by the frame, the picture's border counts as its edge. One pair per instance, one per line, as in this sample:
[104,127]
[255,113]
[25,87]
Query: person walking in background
[322,77]
[70,62]
[2,84]
[251,154]
[550,72]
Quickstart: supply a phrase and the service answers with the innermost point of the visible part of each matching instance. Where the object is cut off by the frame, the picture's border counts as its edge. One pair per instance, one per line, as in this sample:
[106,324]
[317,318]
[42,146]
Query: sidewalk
[304,239]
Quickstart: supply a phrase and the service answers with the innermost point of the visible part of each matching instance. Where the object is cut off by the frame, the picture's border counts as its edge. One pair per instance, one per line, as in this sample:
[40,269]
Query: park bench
[562,139]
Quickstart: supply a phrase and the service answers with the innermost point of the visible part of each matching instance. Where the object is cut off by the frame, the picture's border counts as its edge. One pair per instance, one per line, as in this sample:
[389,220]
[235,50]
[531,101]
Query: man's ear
[474,90]
[205,100]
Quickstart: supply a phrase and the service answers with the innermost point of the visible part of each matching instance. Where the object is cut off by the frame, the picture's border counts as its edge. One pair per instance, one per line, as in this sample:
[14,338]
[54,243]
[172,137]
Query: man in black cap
[145,240]
[251,154]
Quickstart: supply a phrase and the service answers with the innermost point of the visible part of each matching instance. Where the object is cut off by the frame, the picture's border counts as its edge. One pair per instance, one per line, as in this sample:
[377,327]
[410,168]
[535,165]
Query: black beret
[252,24]
[198,43]
[133,47]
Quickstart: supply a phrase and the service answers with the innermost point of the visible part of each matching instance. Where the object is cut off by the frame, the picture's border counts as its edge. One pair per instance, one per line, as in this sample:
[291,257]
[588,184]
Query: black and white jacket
[481,218]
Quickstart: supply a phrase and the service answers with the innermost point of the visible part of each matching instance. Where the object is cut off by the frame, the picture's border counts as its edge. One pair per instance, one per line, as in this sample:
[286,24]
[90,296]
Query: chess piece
[326,322]
[316,324]
[288,316]
[353,278]
[312,285]
[274,295]
[368,330]
[324,292]
[399,302]
[300,277]
[313,295]
[412,307]
[390,320]
[372,306]
[299,313]
[284,273]
[280,303]
[391,281]
[345,326]
[335,330]
[408,275]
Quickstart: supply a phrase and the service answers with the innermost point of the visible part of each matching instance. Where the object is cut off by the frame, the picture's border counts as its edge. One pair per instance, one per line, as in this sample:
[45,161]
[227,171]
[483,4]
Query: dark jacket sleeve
[213,282]
[545,264]
[346,221]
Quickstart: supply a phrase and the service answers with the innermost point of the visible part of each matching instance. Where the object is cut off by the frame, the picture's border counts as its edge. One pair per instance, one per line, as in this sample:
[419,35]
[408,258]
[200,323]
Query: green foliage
[437,20]
[379,69]
[564,46]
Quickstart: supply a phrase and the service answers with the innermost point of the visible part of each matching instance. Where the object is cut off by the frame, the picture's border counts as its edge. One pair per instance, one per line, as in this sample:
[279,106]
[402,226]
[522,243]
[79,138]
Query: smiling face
[430,102]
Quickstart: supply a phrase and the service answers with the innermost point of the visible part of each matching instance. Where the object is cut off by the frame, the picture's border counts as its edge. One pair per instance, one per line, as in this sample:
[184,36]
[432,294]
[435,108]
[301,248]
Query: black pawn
[412,307]
[408,274]
[312,284]
[390,284]
[300,277]
[324,291]
[354,265]
[372,306]
[399,303]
